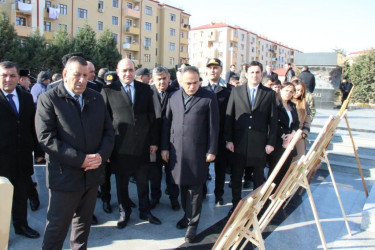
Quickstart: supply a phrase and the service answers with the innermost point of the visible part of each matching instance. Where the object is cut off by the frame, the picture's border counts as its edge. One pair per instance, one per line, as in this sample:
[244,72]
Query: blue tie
[11,102]
[129,92]
[252,92]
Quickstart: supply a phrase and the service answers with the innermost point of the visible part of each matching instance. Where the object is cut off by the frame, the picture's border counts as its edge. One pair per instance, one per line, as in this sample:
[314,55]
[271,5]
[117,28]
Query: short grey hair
[191,69]
[160,70]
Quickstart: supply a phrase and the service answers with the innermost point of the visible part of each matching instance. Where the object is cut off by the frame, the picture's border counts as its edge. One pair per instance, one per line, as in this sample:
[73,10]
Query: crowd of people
[135,124]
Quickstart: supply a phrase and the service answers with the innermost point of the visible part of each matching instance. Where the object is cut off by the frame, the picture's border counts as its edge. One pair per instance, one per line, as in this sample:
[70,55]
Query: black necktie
[76,97]
[213,87]
[129,92]
[12,103]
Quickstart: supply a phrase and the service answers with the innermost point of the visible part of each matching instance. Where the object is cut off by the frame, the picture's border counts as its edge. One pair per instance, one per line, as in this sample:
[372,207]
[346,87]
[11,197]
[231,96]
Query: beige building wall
[127,21]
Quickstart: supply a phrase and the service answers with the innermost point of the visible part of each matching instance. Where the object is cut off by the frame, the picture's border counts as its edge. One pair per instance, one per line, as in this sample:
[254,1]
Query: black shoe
[219,200]
[209,177]
[107,207]
[150,218]
[154,203]
[183,223]
[123,220]
[131,204]
[27,232]
[94,220]
[190,234]
[34,203]
[247,184]
[175,205]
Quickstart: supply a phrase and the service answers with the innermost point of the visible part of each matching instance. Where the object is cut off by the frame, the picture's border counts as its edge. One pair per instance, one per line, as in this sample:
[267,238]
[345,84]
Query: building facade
[235,45]
[147,31]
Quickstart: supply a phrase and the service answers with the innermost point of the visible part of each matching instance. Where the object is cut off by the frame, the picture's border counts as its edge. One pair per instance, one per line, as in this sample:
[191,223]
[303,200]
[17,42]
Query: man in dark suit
[189,143]
[230,73]
[131,107]
[75,131]
[222,90]
[308,79]
[161,90]
[17,142]
[271,74]
[250,128]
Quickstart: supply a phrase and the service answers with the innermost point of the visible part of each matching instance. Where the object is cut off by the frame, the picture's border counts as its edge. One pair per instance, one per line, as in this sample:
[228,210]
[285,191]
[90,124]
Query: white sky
[306,25]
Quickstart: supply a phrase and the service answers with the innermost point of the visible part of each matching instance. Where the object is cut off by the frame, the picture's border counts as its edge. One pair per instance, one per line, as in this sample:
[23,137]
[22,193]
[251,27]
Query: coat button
[249,127]
[251,117]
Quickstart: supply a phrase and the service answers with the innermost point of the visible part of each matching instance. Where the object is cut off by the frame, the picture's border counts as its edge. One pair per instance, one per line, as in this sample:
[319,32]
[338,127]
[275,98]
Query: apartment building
[235,45]
[147,31]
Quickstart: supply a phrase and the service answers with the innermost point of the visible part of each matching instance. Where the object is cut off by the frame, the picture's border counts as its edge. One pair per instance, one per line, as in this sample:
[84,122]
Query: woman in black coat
[287,126]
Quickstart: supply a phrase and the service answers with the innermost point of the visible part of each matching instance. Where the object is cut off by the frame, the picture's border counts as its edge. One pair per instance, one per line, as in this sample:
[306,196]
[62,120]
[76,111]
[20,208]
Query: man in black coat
[75,130]
[230,73]
[289,72]
[308,79]
[271,74]
[161,90]
[131,107]
[17,142]
[222,90]
[189,143]
[250,128]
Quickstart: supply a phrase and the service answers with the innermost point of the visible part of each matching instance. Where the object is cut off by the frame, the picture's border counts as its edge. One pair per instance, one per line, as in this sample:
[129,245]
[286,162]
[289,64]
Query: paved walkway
[298,231]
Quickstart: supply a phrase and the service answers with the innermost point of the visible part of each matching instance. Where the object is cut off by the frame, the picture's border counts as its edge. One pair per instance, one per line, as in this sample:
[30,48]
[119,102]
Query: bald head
[91,68]
[126,70]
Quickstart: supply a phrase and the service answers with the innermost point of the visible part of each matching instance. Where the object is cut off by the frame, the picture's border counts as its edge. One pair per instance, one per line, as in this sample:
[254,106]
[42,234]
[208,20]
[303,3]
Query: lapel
[196,98]
[4,101]
[259,97]
[121,92]
[21,102]
[218,89]
[244,96]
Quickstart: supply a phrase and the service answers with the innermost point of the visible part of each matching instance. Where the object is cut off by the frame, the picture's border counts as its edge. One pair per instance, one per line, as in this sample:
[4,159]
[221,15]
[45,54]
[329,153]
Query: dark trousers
[191,201]
[105,189]
[220,167]
[76,207]
[156,173]
[122,183]
[19,203]
[171,185]
[274,159]
[237,173]
[32,192]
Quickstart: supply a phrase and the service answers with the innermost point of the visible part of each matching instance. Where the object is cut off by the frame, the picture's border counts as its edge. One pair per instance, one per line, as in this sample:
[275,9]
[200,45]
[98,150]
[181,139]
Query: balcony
[49,35]
[233,38]
[134,13]
[234,49]
[130,46]
[185,26]
[184,55]
[132,30]
[184,40]
[212,36]
[23,30]
[23,8]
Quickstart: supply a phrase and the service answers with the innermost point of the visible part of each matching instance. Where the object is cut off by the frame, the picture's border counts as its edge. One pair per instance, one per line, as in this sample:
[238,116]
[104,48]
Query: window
[100,5]
[181,48]
[242,46]
[156,51]
[242,37]
[147,26]
[182,34]
[235,33]
[172,46]
[114,20]
[129,55]
[82,13]
[157,19]
[61,26]
[100,25]
[156,37]
[78,28]
[20,21]
[171,60]
[115,3]
[48,4]
[47,26]
[128,39]
[148,10]
[147,42]
[129,5]
[63,9]
[2,1]
[172,17]
[172,32]
[128,23]
[115,36]
[147,58]
[182,20]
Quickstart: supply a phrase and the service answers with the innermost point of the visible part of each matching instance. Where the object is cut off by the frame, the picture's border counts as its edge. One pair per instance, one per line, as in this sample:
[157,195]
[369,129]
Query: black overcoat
[251,128]
[190,134]
[134,124]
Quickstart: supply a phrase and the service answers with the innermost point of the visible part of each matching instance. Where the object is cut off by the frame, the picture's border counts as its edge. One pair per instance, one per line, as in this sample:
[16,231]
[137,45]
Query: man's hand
[230,146]
[165,155]
[153,149]
[269,149]
[210,157]
[92,161]
[39,159]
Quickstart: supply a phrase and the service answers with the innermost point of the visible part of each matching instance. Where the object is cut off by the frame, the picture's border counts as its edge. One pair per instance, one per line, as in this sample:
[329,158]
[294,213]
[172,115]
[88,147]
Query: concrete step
[345,140]
[349,168]
[345,148]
